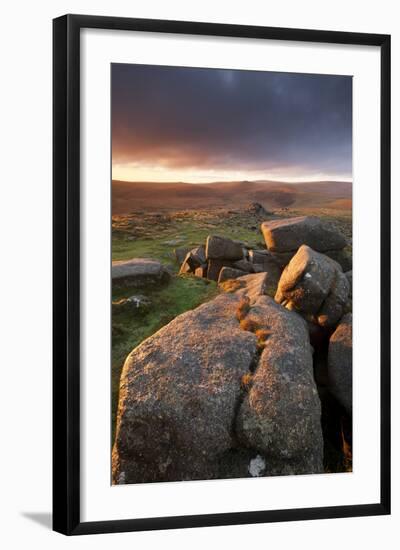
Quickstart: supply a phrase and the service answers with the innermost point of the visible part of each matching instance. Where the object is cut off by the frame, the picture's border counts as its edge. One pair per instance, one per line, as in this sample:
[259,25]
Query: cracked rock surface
[184,413]
[314,285]
[178,395]
[280,415]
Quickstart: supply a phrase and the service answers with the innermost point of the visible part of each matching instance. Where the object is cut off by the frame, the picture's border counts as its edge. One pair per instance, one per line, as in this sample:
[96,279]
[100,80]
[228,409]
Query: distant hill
[129,196]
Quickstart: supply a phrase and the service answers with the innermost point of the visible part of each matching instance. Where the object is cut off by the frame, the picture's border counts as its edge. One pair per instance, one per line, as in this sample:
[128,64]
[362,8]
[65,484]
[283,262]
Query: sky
[202,125]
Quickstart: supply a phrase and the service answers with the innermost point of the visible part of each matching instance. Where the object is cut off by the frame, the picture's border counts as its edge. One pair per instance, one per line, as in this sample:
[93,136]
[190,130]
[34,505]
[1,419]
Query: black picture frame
[66,272]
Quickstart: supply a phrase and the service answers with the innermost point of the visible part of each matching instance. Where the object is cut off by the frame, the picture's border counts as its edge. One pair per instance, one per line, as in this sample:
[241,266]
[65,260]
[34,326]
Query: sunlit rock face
[315,286]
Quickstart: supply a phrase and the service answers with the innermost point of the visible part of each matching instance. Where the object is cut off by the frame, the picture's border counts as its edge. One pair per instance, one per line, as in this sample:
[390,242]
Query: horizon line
[341,180]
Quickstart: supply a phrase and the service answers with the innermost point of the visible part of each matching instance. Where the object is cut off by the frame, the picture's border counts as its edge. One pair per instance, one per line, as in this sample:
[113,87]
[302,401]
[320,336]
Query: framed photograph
[221,274]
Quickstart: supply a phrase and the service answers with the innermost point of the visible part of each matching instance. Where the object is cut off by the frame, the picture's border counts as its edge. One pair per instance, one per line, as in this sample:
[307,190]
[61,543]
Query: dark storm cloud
[225,119]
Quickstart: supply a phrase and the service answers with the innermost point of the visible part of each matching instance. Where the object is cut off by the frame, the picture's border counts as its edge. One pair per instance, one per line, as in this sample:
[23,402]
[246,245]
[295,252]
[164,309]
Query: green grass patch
[158,246]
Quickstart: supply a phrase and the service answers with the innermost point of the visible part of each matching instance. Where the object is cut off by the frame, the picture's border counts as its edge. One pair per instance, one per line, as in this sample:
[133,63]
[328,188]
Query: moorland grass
[157,246]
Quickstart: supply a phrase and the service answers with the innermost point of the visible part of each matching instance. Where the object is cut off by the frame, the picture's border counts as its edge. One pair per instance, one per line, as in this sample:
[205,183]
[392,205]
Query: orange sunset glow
[173,124]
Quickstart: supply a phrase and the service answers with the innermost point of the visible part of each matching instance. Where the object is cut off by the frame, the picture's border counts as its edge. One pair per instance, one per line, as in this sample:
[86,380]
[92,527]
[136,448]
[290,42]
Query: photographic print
[231,273]
[209,183]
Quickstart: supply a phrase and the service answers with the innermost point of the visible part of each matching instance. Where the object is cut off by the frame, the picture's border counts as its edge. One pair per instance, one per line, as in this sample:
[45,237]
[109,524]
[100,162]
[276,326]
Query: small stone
[257,466]
[139,272]
[222,248]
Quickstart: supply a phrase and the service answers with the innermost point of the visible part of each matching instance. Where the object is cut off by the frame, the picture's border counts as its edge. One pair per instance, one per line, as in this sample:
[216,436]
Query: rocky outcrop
[340,363]
[223,259]
[280,414]
[288,234]
[194,258]
[184,411]
[314,285]
[283,237]
[221,248]
[139,272]
[178,396]
[208,261]
[233,388]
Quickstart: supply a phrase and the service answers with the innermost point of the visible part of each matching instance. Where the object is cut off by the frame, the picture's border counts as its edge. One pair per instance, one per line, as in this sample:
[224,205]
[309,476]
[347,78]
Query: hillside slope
[129,196]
